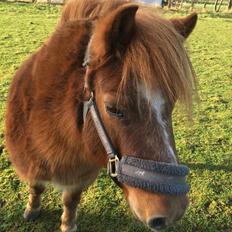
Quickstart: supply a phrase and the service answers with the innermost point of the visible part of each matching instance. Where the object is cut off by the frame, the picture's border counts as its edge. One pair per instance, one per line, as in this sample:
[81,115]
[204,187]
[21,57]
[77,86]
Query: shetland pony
[137,68]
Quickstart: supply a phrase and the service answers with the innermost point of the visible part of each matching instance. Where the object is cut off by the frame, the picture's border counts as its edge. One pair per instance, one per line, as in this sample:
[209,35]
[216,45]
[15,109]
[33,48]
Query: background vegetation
[205,146]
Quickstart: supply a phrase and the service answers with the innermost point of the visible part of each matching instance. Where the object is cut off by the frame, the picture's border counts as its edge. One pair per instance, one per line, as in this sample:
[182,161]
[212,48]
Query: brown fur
[130,47]
[152,60]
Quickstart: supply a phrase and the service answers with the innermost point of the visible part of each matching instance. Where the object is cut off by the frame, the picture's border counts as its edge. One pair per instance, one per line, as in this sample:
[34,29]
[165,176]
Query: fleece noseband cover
[153,176]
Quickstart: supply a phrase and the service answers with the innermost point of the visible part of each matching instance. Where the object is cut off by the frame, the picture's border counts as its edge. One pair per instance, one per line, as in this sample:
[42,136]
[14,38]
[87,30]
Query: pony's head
[138,68]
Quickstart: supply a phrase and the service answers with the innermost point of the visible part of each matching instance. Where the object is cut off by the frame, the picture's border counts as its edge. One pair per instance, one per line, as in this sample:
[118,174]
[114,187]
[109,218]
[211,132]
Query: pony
[137,67]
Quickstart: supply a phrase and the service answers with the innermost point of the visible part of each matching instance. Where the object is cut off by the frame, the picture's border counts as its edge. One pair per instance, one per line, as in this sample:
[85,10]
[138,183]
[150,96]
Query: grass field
[205,145]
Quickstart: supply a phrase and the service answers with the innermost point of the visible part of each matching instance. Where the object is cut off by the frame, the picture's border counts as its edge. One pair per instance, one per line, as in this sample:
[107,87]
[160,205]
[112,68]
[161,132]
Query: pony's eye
[113,111]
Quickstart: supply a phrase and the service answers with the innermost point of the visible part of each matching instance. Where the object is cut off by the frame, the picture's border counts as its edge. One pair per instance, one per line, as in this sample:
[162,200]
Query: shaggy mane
[156,57]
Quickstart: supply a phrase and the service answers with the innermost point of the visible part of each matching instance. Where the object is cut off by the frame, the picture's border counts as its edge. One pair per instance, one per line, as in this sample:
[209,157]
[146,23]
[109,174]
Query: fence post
[230,4]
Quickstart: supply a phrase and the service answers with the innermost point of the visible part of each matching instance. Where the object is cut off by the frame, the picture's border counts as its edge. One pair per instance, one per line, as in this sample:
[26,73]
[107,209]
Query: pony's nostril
[157,223]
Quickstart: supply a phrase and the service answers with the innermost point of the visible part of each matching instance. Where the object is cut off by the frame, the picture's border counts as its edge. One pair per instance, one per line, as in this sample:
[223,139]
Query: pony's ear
[185,25]
[115,30]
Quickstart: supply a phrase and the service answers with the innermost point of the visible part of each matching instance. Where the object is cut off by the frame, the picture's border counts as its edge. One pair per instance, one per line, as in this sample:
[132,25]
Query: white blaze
[158,104]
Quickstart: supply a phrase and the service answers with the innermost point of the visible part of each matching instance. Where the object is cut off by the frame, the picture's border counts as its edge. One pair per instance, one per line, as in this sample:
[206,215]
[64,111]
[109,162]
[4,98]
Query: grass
[205,146]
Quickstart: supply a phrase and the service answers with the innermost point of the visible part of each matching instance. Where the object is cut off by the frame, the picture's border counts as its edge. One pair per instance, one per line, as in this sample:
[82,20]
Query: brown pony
[137,67]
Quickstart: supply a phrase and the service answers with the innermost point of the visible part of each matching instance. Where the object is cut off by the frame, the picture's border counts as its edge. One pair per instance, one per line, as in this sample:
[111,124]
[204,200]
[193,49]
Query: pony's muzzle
[161,220]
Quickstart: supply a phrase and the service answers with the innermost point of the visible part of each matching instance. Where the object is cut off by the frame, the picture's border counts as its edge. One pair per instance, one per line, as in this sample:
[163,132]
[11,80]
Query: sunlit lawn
[205,145]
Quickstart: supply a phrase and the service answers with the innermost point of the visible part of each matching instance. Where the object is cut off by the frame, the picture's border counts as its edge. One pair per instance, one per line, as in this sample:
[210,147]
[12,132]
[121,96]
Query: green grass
[205,145]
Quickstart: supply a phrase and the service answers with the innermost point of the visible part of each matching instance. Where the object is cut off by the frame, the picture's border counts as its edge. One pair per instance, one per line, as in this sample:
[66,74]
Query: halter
[148,175]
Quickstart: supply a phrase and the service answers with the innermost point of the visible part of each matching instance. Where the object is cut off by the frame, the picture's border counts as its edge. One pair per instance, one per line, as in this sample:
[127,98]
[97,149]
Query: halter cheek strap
[90,106]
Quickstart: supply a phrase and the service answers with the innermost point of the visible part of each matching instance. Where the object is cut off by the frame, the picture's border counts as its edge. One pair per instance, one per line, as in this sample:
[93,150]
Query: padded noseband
[153,176]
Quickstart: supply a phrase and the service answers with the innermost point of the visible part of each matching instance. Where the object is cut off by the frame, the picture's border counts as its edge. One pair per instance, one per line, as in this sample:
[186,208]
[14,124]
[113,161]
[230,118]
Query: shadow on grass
[12,220]
[88,222]
[49,221]
[210,167]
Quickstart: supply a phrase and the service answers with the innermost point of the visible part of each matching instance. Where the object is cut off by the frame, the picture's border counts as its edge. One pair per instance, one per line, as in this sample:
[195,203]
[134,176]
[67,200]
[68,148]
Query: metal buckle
[87,105]
[112,167]
[90,101]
